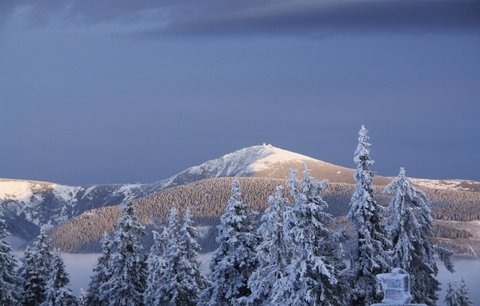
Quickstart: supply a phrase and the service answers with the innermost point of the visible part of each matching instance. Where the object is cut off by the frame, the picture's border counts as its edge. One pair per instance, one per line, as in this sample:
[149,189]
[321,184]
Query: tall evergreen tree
[195,282]
[181,278]
[158,261]
[57,293]
[272,252]
[313,274]
[451,298]
[234,260]
[370,253]
[155,268]
[8,264]
[82,299]
[457,296]
[33,285]
[127,265]
[411,232]
[462,294]
[36,270]
[101,274]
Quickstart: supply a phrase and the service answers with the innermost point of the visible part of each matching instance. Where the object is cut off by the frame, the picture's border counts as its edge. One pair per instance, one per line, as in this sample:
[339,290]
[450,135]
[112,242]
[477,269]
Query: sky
[120,91]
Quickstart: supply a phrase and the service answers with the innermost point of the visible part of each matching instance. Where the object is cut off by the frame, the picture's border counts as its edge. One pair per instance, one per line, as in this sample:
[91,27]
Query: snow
[243,162]
[396,287]
[128,188]
[275,155]
[87,192]
[445,184]
[66,193]
[19,190]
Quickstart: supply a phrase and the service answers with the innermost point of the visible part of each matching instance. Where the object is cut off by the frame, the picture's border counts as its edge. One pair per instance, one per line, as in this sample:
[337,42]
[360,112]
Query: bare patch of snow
[15,190]
[87,191]
[444,184]
[275,155]
[66,193]
[127,188]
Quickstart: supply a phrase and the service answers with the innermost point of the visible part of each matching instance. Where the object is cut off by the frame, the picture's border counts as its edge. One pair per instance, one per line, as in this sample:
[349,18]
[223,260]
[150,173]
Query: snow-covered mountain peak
[243,162]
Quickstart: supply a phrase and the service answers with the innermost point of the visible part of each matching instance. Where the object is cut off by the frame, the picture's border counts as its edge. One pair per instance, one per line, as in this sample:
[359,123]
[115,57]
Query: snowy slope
[457,185]
[29,204]
[261,161]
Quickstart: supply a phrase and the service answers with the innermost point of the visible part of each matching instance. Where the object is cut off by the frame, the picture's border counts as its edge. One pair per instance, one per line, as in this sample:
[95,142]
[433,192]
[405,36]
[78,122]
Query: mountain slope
[260,161]
[207,199]
[27,205]
[30,204]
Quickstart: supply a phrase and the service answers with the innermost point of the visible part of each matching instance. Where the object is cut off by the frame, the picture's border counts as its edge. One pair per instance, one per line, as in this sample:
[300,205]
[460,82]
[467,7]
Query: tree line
[206,199]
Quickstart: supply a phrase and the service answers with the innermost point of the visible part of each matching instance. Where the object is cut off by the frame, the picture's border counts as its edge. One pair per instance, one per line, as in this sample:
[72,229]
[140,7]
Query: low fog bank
[80,267]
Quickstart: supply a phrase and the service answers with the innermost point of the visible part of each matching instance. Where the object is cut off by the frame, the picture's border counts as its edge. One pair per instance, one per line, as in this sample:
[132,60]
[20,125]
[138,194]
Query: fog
[469,269]
[80,267]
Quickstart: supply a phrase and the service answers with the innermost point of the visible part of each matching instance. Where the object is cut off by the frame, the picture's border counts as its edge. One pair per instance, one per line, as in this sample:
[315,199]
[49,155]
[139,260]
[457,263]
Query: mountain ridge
[29,204]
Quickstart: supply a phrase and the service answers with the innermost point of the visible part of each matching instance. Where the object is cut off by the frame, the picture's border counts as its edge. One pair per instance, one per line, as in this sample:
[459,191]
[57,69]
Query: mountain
[29,204]
[260,161]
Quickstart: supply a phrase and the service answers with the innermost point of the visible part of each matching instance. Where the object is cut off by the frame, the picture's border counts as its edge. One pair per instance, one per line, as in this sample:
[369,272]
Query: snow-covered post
[396,288]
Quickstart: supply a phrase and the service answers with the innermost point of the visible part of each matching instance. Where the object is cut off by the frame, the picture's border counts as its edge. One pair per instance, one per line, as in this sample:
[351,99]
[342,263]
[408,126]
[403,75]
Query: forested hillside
[207,200]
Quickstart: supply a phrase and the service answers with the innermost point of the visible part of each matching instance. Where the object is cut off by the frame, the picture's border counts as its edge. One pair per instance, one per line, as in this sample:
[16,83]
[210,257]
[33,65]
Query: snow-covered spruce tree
[181,279]
[313,274]
[36,270]
[101,274]
[462,295]
[127,265]
[411,232]
[272,252]
[370,254]
[33,286]
[155,261]
[82,299]
[190,247]
[57,293]
[457,296]
[234,260]
[451,299]
[8,264]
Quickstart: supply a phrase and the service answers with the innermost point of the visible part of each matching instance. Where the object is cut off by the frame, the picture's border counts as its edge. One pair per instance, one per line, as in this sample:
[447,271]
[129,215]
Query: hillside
[27,205]
[207,199]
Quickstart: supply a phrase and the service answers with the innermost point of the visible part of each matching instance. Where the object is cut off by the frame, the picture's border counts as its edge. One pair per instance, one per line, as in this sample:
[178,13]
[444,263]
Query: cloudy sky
[134,91]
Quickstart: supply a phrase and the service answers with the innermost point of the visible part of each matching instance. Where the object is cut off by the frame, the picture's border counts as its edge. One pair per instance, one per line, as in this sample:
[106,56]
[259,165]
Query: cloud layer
[303,17]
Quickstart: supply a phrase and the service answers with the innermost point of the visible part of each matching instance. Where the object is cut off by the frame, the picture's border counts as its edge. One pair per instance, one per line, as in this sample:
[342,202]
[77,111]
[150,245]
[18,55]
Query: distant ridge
[29,204]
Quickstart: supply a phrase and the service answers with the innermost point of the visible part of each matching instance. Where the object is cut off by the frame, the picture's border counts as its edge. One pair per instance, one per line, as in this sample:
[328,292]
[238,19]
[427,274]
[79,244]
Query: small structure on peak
[396,288]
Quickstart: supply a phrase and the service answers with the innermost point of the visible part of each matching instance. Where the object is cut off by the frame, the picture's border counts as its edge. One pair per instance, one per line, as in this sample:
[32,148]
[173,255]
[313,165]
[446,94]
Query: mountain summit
[260,161]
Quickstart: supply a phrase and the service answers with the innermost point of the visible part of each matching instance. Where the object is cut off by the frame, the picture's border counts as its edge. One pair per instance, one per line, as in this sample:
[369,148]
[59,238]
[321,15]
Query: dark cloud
[358,16]
[217,17]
